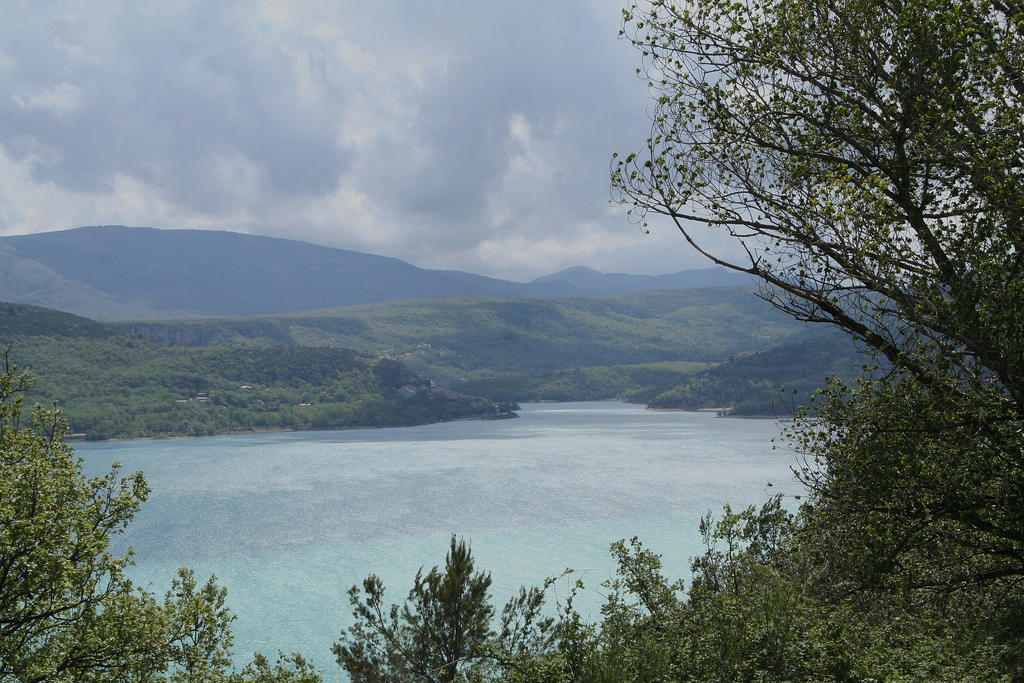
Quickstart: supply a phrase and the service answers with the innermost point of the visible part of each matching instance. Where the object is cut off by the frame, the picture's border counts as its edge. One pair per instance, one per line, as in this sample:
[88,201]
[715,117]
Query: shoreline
[77,438]
[722,412]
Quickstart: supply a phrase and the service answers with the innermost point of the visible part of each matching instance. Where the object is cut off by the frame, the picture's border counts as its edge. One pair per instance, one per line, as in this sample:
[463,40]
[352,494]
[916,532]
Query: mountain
[123,273]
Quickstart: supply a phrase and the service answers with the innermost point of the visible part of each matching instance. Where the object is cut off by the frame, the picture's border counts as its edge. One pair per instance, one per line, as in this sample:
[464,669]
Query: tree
[443,632]
[59,587]
[868,155]
[750,614]
[68,612]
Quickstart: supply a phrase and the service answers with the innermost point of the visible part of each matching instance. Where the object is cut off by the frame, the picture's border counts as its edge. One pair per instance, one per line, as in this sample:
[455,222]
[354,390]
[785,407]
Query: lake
[289,521]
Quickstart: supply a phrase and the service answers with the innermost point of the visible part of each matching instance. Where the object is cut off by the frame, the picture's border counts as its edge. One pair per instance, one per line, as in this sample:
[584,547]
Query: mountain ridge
[133,273]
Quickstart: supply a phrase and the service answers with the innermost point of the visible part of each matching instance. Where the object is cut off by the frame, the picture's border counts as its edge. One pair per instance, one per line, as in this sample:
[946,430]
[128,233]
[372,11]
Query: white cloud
[61,99]
[455,135]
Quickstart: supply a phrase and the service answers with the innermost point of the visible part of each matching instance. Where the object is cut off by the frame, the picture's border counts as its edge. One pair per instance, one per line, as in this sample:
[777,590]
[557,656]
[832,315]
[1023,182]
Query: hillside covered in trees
[111,385]
[327,368]
[464,339]
[647,347]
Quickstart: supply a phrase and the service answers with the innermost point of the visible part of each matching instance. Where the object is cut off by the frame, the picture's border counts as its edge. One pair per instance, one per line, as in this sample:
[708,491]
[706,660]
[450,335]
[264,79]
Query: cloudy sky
[469,135]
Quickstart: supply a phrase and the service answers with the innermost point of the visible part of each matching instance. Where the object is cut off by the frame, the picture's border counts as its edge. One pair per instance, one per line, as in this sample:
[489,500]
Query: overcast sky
[468,135]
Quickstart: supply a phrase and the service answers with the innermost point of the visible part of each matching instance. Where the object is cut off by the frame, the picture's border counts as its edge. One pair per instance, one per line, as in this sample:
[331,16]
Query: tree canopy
[68,611]
[444,631]
[868,155]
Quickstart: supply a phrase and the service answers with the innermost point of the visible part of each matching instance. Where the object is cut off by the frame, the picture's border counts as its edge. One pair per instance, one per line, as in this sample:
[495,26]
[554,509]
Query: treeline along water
[289,521]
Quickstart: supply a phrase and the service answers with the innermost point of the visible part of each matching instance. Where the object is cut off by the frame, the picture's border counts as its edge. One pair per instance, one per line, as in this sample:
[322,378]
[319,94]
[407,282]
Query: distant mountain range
[125,273]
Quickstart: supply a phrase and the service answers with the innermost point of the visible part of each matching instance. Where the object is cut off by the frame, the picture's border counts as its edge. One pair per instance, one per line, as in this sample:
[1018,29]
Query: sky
[451,134]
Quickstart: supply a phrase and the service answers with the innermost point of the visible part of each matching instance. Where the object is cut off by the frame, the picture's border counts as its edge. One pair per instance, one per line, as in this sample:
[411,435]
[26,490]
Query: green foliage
[754,611]
[443,632]
[201,638]
[915,491]
[742,618]
[291,668]
[67,610]
[119,387]
[748,617]
[55,529]
[760,606]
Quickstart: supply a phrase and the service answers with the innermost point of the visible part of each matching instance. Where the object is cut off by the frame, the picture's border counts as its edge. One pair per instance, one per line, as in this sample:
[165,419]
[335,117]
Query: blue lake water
[289,521]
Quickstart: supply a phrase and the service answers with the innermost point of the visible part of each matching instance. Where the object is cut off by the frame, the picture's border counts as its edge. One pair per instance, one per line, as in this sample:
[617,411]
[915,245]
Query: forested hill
[688,349]
[772,382]
[700,348]
[113,385]
[768,383]
[19,320]
[122,273]
[468,339]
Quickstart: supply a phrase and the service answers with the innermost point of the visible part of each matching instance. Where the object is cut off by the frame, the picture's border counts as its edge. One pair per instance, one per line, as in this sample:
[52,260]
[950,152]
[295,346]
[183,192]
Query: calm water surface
[289,521]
